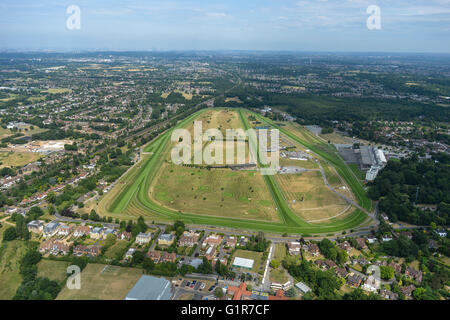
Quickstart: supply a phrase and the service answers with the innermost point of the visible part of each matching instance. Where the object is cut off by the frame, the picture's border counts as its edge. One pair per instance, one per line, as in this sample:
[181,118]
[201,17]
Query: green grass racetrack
[134,200]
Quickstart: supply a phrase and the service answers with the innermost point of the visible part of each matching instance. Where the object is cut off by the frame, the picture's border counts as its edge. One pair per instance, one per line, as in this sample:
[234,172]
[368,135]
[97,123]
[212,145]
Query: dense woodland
[403,184]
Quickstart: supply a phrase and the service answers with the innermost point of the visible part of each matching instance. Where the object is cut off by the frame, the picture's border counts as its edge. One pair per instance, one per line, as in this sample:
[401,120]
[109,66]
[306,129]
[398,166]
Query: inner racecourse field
[162,191]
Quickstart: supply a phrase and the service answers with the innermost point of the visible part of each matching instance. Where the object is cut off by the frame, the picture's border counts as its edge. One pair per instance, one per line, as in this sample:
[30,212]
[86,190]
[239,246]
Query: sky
[276,25]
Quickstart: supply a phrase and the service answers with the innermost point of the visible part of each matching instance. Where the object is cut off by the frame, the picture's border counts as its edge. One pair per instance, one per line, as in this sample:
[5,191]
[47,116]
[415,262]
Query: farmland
[161,191]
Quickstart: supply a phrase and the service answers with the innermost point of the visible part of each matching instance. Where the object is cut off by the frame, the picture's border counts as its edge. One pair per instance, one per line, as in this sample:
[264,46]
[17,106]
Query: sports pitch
[159,190]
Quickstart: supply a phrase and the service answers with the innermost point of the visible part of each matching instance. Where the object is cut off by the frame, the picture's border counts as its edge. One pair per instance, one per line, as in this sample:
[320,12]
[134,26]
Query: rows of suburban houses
[55,235]
[355,279]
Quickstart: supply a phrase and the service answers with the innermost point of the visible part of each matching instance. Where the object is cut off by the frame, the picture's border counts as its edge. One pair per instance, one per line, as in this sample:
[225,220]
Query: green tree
[387,272]
[218,292]
[275,263]
[9,234]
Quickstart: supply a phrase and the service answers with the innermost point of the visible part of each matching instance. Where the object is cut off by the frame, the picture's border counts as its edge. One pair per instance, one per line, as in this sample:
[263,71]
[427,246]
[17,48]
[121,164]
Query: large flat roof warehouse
[243,263]
[303,287]
[150,288]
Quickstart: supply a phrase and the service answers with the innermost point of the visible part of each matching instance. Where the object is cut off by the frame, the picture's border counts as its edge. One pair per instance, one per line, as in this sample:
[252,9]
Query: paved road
[265,284]
[68,219]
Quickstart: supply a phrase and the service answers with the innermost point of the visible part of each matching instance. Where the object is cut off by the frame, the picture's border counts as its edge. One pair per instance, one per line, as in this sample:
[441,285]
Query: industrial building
[150,288]
[243,263]
[370,159]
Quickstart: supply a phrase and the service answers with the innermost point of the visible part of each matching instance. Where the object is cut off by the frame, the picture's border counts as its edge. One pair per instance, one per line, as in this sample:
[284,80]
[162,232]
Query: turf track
[133,199]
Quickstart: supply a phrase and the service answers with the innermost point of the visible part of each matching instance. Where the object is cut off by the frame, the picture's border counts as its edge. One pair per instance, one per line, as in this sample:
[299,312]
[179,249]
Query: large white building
[243,263]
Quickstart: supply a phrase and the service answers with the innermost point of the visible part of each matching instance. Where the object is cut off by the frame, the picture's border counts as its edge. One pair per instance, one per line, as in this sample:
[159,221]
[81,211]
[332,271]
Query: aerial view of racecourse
[225,158]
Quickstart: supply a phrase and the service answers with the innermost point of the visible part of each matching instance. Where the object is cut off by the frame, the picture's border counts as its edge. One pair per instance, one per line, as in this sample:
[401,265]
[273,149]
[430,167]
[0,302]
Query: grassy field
[58,90]
[5,133]
[102,282]
[359,174]
[313,199]
[337,138]
[219,192]
[255,256]
[3,227]
[130,197]
[118,250]
[278,275]
[17,159]
[53,270]
[280,251]
[329,154]
[10,278]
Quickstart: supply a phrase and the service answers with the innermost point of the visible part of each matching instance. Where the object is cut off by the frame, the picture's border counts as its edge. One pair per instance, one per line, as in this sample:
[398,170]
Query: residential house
[294,247]
[64,230]
[54,247]
[154,255]
[124,235]
[143,238]
[362,262]
[243,241]
[371,284]
[396,266]
[312,248]
[388,294]
[231,241]
[108,231]
[413,273]
[441,232]
[169,257]
[371,240]
[345,246]
[91,251]
[432,244]
[341,272]
[51,228]
[361,243]
[35,226]
[130,253]
[408,290]
[81,231]
[407,234]
[188,239]
[210,254]
[212,239]
[166,239]
[354,280]
[97,233]
[325,264]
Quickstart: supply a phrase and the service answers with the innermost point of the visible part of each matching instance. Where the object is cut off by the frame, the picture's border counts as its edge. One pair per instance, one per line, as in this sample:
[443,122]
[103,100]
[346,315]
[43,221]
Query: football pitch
[162,191]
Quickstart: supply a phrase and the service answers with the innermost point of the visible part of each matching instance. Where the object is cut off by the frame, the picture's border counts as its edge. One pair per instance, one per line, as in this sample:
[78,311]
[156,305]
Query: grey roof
[51,226]
[367,155]
[303,287]
[166,236]
[97,230]
[196,262]
[150,288]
